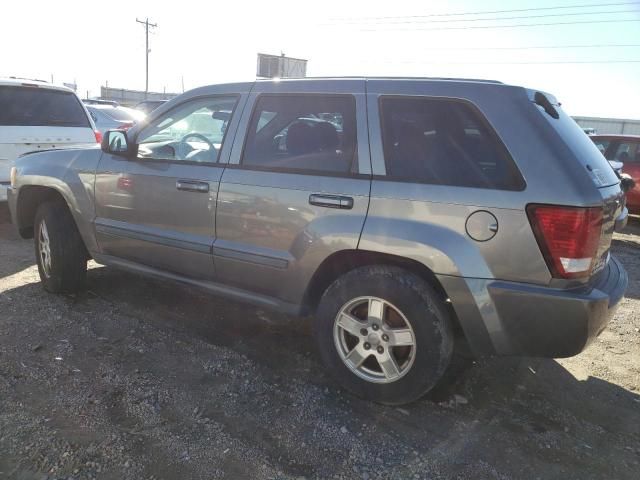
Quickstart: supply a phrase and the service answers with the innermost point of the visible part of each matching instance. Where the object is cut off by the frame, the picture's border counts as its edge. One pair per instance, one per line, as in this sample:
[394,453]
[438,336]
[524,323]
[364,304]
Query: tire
[410,304]
[66,270]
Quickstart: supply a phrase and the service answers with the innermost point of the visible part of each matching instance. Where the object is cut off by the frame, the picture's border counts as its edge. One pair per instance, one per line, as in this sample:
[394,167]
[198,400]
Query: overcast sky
[211,42]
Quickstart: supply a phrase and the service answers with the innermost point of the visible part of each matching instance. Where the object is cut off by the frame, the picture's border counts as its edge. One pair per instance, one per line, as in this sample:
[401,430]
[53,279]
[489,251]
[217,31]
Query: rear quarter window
[444,142]
[34,106]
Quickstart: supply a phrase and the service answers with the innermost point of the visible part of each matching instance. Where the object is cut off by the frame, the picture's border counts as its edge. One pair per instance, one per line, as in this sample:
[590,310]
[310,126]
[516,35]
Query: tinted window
[193,131]
[625,152]
[33,106]
[444,142]
[302,132]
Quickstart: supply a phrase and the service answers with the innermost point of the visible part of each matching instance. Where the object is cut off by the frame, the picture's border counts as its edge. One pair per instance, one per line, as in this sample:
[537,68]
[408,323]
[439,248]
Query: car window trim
[302,171]
[483,120]
[237,97]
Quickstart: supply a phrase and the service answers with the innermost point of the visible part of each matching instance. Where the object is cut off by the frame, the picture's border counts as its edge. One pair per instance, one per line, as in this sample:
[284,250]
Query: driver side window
[192,132]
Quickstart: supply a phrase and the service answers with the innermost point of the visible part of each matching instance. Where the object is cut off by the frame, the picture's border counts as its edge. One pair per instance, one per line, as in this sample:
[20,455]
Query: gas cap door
[481,225]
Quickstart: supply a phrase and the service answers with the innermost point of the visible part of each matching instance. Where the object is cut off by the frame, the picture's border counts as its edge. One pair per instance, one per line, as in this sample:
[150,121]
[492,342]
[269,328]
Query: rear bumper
[527,320]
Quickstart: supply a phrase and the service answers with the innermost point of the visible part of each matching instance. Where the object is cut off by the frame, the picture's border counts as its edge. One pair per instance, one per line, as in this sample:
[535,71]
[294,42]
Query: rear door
[158,209]
[35,118]
[297,186]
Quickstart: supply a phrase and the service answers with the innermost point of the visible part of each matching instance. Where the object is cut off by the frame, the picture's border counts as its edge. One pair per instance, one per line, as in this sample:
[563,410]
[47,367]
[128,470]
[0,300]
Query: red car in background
[625,149]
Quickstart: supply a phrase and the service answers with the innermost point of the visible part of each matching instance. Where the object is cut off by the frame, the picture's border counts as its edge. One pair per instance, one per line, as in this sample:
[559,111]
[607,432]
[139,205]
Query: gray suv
[404,215]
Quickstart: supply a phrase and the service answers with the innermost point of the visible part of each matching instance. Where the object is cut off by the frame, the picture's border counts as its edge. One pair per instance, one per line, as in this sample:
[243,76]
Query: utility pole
[146,52]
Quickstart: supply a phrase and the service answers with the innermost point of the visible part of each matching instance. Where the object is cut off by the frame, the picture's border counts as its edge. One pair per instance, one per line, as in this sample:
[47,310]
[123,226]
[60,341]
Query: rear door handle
[331,201]
[192,186]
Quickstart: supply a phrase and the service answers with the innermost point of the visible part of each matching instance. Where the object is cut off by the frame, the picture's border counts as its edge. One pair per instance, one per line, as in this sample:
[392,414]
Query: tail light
[568,237]
[125,126]
[98,135]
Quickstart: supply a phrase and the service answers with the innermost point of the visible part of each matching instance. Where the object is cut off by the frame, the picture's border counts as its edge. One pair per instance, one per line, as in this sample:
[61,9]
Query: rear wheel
[384,333]
[60,252]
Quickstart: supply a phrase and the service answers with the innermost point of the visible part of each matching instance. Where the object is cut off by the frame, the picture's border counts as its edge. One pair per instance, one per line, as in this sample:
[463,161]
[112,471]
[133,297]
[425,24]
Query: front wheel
[60,252]
[384,334]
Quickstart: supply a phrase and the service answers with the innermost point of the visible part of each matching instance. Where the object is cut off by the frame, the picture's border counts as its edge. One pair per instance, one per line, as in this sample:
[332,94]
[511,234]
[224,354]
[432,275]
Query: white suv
[34,116]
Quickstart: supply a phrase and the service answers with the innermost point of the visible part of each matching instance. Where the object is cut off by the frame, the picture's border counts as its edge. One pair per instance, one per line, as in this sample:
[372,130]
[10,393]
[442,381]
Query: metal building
[279,66]
[610,126]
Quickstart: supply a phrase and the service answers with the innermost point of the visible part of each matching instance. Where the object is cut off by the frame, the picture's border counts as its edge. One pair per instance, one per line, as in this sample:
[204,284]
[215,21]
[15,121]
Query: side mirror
[116,142]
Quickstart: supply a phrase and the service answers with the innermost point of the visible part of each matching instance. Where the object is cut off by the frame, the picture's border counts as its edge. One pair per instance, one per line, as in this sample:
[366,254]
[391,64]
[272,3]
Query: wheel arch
[30,197]
[344,261]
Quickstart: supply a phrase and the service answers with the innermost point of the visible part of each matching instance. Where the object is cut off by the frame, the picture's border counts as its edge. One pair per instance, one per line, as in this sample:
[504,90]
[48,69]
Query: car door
[158,209]
[296,189]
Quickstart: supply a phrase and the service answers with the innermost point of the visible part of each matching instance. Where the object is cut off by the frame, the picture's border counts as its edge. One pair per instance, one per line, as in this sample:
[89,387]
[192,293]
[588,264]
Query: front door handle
[331,201]
[192,186]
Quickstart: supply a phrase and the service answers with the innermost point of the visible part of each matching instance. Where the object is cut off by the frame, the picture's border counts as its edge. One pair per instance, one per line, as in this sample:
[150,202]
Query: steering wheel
[183,145]
[198,136]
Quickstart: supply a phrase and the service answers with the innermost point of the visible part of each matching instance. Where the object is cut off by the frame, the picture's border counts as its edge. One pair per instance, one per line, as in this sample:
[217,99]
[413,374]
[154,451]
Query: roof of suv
[25,82]
[343,80]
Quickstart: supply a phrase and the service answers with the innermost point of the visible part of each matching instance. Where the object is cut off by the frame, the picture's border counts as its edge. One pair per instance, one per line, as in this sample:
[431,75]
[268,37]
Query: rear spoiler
[545,100]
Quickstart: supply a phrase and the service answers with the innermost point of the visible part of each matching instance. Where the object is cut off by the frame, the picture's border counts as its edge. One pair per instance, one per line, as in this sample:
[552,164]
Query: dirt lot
[137,379]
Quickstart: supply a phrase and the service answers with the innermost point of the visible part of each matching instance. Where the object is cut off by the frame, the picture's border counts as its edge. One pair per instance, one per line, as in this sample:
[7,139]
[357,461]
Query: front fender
[70,173]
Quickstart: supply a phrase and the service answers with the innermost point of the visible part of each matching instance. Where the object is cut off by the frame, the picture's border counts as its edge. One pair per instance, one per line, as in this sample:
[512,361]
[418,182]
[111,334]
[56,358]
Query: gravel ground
[137,379]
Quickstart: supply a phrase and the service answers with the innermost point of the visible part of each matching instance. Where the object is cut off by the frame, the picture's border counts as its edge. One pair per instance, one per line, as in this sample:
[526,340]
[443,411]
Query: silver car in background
[111,117]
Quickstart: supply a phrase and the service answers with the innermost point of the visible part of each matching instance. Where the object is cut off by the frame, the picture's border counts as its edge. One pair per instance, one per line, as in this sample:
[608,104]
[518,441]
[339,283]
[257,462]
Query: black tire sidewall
[68,260]
[422,308]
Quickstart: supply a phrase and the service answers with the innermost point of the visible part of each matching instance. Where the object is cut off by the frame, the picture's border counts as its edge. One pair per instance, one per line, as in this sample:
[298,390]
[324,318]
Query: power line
[517,17]
[485,12]
[536,47]
[475,27]
[552,62]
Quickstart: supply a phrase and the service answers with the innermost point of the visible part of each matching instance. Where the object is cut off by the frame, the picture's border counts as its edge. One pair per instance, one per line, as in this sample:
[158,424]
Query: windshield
[580,144]
[33,106]
[123,114]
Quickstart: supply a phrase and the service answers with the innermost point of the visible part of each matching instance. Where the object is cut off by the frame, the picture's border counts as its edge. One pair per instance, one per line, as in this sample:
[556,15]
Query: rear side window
[444,142]
[302,133]
[625,152]
[33,106]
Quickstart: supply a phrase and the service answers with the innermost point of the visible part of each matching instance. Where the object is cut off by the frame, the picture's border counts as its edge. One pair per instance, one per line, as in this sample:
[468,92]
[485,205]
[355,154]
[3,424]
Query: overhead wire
[486,12]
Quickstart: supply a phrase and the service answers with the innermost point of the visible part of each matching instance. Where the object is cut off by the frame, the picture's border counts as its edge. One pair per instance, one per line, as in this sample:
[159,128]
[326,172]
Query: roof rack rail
[28,79]
[360,77]
[95,101]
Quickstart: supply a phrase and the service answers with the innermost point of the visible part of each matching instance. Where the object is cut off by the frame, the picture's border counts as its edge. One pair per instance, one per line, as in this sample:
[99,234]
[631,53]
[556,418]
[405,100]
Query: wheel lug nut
[380,350]
[375,327]
[385,337]
[364,332]
[367,345]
